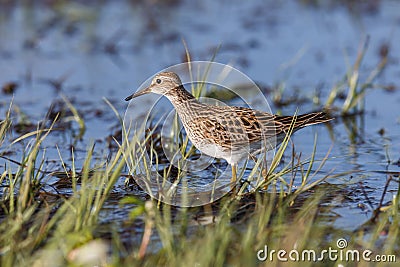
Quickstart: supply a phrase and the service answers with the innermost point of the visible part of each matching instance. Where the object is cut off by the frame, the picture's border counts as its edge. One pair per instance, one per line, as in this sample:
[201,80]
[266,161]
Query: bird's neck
[180,96]
[187,106]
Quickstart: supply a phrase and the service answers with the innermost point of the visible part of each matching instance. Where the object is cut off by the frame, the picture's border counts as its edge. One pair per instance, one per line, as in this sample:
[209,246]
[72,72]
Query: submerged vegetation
[354,98]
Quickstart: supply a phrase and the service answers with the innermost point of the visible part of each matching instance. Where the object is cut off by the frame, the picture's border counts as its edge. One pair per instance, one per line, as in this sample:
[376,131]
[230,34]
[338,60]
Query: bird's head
[161,84]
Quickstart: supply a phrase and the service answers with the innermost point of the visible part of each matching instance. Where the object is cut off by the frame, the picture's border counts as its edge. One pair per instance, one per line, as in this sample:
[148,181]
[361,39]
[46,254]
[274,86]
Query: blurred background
[91,49]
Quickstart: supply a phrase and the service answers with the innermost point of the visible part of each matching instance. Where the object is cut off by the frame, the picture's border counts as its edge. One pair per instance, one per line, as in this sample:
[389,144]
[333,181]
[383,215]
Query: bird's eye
[158,81]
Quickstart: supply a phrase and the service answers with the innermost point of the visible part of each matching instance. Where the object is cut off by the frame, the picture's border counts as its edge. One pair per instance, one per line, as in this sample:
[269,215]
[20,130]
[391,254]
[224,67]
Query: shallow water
[88,52]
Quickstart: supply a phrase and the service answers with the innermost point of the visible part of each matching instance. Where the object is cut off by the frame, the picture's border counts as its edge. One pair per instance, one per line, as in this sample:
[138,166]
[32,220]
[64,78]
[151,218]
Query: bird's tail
[312,118]
[304,119]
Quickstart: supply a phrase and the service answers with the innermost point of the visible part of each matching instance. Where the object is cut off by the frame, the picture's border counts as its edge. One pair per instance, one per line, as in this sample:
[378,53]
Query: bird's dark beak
[139,93]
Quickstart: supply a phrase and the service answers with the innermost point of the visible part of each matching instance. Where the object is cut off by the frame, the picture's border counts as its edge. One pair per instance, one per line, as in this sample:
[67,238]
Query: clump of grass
[34,230]
[354,98]
[76,117]
[272,221]
[5,125]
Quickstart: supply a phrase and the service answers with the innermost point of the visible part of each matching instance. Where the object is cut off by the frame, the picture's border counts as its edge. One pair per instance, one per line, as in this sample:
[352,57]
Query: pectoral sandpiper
[230,133]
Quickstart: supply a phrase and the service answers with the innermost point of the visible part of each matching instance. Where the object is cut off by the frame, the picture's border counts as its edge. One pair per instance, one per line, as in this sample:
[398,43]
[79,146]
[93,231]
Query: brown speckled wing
[258,125]
[210,130]
[233,128]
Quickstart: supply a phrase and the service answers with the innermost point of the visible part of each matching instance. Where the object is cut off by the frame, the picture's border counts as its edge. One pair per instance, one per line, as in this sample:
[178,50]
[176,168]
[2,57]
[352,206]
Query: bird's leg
[233,180]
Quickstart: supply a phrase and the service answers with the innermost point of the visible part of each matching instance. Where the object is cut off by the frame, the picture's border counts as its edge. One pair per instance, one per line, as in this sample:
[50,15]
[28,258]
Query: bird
[228,132]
